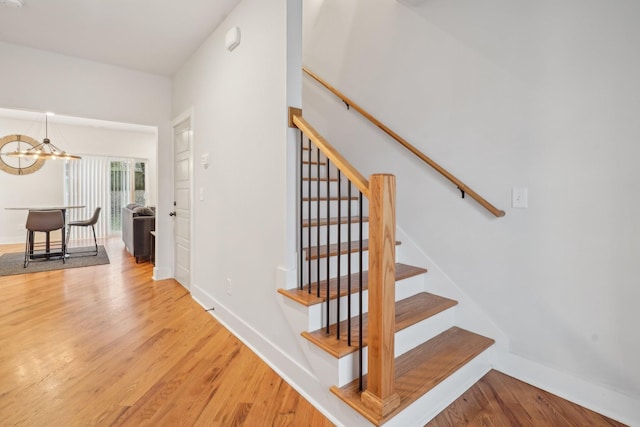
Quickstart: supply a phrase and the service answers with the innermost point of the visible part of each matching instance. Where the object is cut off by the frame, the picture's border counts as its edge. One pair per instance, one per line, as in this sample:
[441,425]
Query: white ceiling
[38,118]
[154,36]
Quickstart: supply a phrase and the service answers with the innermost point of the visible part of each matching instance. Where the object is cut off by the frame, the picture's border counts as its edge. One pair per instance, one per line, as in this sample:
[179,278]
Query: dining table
[62,208]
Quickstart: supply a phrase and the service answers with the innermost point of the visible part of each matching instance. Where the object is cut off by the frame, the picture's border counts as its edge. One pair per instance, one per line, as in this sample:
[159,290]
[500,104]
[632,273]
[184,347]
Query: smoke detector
[12,3]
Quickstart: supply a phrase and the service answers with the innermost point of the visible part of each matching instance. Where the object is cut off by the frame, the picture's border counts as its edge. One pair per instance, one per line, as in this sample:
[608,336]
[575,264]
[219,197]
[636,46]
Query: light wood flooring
[107,346]
[499,400]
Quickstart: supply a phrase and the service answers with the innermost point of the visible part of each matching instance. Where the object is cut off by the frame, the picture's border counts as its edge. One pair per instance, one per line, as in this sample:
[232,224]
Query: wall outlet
[229,286]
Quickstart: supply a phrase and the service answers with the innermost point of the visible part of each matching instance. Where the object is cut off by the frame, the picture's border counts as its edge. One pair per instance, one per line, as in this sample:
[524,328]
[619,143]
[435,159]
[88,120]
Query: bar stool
[43,222]
[91,222]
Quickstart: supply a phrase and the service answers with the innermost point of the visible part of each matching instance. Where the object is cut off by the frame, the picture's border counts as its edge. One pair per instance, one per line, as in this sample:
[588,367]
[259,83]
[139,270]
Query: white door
[182,170]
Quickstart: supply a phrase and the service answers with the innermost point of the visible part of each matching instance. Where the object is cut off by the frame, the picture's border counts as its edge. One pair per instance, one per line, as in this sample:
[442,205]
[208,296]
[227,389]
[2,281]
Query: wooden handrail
[295,118]
[380,395]
[461,186]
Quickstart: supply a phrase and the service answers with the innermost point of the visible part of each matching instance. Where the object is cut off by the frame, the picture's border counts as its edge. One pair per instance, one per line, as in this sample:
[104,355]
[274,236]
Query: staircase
[431,359]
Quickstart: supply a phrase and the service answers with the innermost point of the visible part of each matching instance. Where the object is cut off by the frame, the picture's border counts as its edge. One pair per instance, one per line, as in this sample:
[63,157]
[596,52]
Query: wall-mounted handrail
[461,186]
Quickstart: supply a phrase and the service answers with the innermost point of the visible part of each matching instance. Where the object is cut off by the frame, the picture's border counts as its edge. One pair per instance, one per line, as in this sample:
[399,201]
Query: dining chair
[43,222]
[91,222]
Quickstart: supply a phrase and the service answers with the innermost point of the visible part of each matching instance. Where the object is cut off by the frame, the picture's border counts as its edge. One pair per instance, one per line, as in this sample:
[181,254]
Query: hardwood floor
[106,345]
[502,401]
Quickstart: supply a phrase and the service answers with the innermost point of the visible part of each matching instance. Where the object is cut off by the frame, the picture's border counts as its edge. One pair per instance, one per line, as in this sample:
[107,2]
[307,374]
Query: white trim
[188,114]
[161,273]
[610,403]
[268,352]
[615,405]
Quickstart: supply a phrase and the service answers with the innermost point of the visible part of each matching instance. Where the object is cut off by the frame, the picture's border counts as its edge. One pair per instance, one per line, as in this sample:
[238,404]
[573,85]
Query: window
[106,182]
[140,178]
[124,185]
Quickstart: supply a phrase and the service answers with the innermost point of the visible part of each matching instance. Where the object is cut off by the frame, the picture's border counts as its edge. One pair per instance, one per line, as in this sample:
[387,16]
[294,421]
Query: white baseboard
[296,375]
[610,403]
[161,273]
[615,405]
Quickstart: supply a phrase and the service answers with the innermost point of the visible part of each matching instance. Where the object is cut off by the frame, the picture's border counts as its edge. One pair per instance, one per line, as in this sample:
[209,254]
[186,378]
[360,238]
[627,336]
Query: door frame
[188,114]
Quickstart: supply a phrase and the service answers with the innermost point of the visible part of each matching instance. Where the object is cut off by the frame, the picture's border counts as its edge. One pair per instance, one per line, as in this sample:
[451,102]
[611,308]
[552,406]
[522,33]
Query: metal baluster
[338,260]
[360,289]
[318,222]
[309,218]
[329,239]
[301,266]
[349,271]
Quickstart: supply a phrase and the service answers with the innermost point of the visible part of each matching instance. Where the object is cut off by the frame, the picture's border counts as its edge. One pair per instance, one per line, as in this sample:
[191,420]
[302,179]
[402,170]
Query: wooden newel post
[380,395]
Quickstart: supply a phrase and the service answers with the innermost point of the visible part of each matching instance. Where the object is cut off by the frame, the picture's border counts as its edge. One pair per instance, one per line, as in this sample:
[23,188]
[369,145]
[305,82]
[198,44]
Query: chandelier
[45,150]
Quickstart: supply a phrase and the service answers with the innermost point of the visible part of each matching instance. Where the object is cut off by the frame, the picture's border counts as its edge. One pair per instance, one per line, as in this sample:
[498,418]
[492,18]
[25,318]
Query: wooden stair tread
[334,249]
[421,369]
[332,198]
[304,297]
[333,221]
[320,179]
[313,162]
[409,311]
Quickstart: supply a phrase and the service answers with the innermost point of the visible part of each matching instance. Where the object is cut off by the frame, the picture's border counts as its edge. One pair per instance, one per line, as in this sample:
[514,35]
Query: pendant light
[45,150]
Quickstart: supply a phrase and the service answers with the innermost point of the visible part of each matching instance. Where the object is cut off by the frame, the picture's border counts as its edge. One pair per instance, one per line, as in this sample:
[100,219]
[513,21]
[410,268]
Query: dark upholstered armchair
[137,222]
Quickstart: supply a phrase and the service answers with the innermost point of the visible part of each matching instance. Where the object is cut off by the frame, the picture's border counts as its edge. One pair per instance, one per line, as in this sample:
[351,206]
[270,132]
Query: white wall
[45,186]
[44,81]
[239,103]
[244,227]
[505,93]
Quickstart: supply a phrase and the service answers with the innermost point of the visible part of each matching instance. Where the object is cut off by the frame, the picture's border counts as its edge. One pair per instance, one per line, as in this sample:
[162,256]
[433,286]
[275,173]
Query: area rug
[13,263]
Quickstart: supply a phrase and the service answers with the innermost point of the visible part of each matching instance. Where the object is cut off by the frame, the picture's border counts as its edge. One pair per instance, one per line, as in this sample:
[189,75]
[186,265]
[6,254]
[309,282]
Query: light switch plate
[519,197]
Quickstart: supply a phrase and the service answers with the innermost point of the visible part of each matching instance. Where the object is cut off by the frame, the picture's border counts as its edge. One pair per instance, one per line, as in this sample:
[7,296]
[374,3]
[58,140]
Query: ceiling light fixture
[12,3]
[45,150]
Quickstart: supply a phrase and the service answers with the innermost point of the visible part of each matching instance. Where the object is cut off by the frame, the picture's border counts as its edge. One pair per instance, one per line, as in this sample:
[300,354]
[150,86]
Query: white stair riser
[331,371]
[322,172]
[300,317]
[314,172]
[318,313]
[325,366]
[411,337]
[409,286]
[318,320]
[322,191]
[333,190]
[333,234]
[312,154]
[349,367]
[333,266]
[405,340]
[333,208]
